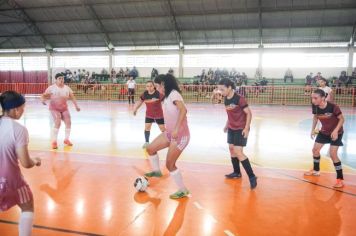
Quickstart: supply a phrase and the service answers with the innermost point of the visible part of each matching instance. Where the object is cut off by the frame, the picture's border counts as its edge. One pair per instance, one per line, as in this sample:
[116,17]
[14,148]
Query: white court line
[229,233]
[197,205]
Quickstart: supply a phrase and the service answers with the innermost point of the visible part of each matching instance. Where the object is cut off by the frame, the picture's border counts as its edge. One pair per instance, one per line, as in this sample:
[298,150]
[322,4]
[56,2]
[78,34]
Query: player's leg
[175,150]
[57,118]
[334,147]
[238,150]
[26,217]
[234,160]
[160,123]
[316,159]
[157,144]
[148,125]
[68,125]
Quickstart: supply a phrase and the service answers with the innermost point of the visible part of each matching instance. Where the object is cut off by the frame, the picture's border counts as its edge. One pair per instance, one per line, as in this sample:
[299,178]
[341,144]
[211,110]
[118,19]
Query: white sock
[25,223]
[54,134]
[154,159]
[178,179]
[67,134]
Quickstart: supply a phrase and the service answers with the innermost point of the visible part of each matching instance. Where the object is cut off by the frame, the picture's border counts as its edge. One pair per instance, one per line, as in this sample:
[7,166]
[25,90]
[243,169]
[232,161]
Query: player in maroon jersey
[154,113]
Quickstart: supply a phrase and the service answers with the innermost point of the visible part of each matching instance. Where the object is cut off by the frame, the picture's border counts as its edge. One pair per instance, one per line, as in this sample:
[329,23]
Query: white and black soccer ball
[141,184]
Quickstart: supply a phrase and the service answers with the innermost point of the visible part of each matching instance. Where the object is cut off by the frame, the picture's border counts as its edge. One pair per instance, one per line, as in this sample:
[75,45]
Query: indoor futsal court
[177,117]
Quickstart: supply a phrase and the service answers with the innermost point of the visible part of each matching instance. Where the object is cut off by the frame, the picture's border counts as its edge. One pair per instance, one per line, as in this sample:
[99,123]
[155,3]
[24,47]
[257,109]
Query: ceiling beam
[175,24]
[260,31]
[29,22]
[100,25]
[316,27]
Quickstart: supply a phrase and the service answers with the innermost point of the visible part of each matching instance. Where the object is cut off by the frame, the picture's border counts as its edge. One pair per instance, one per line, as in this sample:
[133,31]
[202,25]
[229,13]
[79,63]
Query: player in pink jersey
[175,138]
[59,94]
[14,190]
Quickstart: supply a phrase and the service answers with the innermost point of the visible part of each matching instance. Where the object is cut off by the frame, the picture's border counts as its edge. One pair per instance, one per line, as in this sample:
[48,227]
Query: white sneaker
[312,173]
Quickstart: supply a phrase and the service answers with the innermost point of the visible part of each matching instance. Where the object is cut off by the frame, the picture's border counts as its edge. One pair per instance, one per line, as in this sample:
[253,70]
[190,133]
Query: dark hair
[170,83]
[58,75]
[227,83]
[159,79]
[320,92]
[10,100]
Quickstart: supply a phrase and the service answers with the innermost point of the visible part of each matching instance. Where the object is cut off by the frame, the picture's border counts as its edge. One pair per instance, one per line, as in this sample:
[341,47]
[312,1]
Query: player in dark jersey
[154,113]
[237,128]
[332,120]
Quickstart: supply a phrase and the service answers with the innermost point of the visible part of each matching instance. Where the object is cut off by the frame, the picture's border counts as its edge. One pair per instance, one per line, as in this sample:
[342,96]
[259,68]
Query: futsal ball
[141,184]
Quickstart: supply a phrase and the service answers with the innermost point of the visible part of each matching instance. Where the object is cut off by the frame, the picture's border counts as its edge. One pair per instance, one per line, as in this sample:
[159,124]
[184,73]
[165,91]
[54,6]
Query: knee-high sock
[316,161]
[25,223]
[178,179]
[236,164]
[338,168]
[54,134]
[247,166]
[154,160]
[67,134]
[147,136]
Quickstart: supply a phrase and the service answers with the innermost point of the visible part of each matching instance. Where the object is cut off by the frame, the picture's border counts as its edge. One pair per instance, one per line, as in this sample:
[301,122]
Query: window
[246,60]
[304,60]
[10,63]
[80,61]
[35,63]
[146,61]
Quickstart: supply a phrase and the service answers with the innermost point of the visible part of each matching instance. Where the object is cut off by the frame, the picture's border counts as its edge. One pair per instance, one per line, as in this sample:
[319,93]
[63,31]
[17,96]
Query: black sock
[247,166]
[338,168]
[316,162]
[236,164]
[147,136]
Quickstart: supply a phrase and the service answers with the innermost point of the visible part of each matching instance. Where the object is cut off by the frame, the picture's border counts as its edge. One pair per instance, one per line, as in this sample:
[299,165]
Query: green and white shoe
[154,174]
[145,145]
[179,194]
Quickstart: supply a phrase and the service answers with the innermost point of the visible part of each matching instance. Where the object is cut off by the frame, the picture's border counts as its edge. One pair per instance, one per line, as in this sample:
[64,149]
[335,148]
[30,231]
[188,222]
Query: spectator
[133,73]
[131,86]
[121,74]
[308,84]
[323,85]
[317,78]
[170,71]
[112,74]
[154,73]
[76,77]
[244,78]
[344,79]
[288,75]
[203,76]
[126,73]
[104,72]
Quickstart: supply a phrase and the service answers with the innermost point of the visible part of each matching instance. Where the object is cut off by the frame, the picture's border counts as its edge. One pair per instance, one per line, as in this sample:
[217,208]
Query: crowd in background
[212,77]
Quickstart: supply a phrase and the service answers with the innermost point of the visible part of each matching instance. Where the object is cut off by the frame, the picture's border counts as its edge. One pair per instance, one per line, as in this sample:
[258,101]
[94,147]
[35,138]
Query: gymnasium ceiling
[100,23]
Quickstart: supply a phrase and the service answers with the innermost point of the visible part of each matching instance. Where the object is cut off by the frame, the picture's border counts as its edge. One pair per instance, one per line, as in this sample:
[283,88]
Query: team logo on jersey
[231,106]
[325,115]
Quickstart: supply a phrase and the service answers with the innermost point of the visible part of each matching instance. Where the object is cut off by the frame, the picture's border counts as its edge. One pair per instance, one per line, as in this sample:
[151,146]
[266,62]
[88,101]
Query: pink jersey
[13,187]
[171,114]
[59,97]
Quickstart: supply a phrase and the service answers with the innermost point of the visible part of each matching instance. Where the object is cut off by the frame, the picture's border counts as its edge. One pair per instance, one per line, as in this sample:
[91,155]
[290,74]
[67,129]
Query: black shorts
[131,91]
[158,121]
[324,139]
[236,138]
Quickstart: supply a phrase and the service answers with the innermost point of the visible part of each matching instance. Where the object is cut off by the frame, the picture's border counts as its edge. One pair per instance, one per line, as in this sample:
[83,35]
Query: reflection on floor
[88,189]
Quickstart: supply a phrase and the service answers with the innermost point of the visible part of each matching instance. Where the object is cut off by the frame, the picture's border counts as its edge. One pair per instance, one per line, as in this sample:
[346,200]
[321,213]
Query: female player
[152,98]
[59,94]
[131,86]
[14,190]
[238,129]
[332,120]
[175,138]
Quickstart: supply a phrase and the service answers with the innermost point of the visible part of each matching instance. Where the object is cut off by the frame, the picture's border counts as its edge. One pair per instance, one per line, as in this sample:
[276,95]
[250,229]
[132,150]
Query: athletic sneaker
[54,145]
[339,183]
[233,175]
[312,173]
[154,174]
[179,194]
[68,143]
[145,145]
[253,182]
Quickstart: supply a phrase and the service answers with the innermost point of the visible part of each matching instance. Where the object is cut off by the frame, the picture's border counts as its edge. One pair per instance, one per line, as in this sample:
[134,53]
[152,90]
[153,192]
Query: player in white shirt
[328,91]
[59,94]
[131,85]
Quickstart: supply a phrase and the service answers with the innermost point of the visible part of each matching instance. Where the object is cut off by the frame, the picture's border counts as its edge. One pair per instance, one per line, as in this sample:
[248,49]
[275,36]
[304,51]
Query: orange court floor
[88,189]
